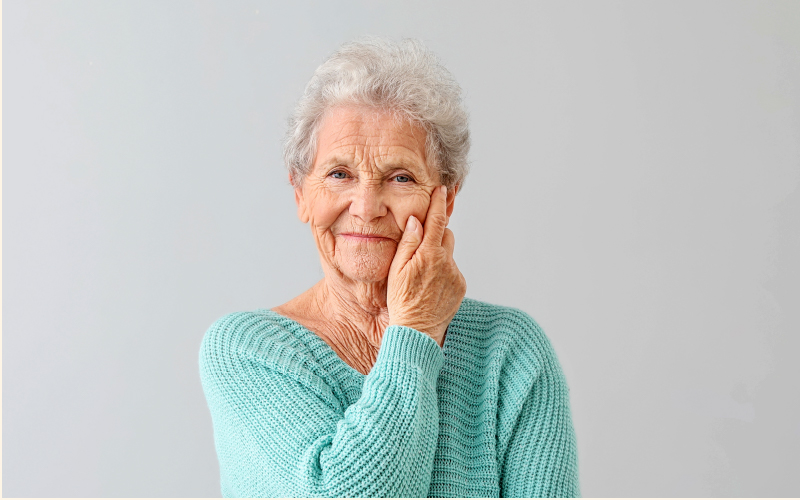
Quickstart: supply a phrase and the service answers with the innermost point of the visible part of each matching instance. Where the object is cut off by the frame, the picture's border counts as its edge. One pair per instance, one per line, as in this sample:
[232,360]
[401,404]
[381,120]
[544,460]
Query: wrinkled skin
[369,176]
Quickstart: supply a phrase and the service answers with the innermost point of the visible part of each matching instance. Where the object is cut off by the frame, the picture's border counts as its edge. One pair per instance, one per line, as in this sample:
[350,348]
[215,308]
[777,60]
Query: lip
[364,238]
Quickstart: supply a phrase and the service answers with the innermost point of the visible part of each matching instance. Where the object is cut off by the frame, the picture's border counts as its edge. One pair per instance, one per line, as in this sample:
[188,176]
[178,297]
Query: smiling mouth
[364,238]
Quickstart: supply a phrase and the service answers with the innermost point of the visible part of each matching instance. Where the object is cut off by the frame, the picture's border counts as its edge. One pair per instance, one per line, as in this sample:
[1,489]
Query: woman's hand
[425,287]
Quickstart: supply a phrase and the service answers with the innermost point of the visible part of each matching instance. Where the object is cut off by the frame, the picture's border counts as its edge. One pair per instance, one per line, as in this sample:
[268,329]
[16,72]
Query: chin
[367,268]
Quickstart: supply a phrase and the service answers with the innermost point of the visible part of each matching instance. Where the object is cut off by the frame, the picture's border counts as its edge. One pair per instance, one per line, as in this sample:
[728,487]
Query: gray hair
[405,78]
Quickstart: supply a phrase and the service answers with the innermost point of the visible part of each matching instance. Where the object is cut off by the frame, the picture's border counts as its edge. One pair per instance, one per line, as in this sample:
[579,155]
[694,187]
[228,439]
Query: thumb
[410,241]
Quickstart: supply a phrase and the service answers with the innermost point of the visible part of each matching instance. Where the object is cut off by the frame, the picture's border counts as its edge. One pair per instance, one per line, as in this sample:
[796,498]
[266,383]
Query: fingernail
[411,225]
[444,190]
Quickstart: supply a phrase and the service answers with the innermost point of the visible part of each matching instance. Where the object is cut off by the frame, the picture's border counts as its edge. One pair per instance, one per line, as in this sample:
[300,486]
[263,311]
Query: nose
[367,203]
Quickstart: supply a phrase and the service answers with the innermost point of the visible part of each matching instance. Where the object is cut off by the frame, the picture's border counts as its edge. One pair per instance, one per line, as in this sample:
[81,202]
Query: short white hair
[403,77]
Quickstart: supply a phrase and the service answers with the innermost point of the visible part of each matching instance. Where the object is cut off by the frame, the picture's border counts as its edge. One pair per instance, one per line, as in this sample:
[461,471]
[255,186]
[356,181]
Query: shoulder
[243,331]
[507,326]
[517,355]
[510,340]
[238,343]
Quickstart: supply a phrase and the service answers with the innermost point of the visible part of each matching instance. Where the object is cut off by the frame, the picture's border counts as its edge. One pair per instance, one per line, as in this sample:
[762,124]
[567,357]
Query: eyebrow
[412,166]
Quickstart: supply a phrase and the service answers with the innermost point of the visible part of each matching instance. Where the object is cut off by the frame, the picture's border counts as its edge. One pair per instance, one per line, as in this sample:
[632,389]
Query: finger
[448,241]
[409,242]
[436,218]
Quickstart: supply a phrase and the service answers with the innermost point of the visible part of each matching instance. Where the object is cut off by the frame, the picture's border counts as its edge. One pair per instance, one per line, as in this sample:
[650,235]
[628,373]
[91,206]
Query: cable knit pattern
[487,415]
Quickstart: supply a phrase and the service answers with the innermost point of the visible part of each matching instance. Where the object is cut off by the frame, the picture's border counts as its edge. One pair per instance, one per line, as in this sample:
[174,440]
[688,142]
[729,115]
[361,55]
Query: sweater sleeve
[280,431]
[541,458]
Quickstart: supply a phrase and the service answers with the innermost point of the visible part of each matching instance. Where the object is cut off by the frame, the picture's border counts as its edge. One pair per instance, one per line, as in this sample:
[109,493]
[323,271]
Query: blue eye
[398,177]
[338,172]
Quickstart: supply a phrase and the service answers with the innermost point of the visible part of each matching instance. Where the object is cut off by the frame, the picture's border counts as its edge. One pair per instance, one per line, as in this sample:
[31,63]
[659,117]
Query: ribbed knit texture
[487,415]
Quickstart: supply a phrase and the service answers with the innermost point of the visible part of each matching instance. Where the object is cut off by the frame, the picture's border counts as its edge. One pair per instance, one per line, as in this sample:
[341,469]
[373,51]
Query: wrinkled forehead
[358,134]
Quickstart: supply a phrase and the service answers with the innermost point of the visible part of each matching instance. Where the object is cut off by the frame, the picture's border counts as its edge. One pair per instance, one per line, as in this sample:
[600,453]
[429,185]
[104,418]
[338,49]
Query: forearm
[282,432]
[384,445]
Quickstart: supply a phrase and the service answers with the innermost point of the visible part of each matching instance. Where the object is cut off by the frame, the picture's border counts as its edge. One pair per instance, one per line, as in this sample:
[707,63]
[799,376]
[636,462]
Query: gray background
[633,187]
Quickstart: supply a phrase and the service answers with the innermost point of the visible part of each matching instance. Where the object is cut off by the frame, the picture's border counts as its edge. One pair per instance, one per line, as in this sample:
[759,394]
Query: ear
[300,200]
[451,199]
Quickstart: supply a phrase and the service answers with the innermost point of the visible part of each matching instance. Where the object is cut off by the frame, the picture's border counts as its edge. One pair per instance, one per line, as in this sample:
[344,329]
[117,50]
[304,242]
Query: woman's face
[370,174]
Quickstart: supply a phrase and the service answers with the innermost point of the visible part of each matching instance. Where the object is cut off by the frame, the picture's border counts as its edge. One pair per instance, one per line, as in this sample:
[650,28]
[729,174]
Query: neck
[353,308]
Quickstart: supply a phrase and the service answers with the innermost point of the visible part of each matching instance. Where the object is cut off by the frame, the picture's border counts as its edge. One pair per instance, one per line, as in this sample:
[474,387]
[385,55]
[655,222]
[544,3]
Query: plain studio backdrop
[634,187]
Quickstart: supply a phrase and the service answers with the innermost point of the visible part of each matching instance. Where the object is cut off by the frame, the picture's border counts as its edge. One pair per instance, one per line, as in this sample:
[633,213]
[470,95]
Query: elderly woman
[383,379]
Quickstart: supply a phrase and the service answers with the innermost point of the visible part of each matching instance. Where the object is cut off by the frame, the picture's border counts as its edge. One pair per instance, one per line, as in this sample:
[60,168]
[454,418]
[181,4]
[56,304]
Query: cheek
[326,209]
[416,205]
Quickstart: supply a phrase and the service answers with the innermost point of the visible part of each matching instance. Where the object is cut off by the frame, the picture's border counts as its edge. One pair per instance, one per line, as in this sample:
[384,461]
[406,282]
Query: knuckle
[439,218]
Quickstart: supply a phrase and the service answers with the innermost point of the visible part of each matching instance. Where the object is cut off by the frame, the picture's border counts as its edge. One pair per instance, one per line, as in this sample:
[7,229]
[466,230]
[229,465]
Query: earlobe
[451,199]
[301,206]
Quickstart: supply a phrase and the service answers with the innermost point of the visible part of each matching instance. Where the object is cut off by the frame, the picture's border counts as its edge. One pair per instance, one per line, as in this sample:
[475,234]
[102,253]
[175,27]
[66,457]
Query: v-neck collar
[316,344]
[328,356]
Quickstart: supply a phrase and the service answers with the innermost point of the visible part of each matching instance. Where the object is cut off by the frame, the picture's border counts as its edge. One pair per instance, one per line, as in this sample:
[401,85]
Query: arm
[280,431]
[541,458]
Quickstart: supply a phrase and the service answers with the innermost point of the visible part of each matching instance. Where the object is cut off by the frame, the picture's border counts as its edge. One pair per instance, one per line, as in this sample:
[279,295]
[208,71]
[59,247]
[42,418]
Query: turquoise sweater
[487,415]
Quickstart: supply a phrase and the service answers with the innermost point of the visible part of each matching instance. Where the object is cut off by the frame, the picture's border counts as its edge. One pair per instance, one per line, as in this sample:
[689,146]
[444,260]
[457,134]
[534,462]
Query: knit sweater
[486,415]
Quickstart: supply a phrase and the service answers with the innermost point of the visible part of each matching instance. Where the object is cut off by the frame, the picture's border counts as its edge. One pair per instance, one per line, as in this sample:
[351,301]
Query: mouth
[364,238]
